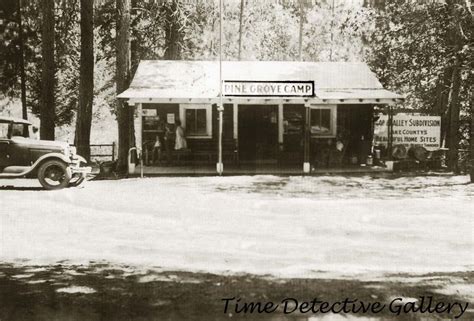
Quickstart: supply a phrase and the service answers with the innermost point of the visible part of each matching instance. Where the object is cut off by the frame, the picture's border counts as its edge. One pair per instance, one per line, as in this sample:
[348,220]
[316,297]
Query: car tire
[54,174]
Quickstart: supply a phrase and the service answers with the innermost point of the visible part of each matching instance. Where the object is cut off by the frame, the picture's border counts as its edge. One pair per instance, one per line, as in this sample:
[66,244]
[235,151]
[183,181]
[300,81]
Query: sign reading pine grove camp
[409,130]
[269,88]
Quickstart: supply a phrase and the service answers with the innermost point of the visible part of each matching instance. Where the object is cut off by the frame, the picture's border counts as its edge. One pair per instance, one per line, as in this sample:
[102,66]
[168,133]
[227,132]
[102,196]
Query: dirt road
[260,237]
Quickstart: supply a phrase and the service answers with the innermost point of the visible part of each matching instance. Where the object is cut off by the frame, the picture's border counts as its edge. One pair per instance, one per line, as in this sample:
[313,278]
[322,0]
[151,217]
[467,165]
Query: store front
[277,116]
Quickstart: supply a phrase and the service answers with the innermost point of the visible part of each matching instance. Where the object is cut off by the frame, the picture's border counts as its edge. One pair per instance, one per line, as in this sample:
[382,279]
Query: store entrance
[258,133]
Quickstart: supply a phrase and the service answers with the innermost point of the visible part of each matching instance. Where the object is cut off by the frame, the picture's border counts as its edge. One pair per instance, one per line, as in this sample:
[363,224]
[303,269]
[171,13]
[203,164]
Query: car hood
[41,144]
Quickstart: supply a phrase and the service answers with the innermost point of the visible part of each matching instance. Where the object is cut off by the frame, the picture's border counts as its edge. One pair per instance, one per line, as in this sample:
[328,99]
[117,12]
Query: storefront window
[197,120]
[323,121]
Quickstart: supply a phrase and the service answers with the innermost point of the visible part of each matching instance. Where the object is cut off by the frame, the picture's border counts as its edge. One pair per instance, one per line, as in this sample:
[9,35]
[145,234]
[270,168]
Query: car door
[4,145]
[18,151]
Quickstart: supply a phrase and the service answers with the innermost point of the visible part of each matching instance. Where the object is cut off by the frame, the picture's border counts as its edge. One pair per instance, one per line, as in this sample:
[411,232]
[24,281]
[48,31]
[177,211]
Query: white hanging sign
[269,88]
[409,130]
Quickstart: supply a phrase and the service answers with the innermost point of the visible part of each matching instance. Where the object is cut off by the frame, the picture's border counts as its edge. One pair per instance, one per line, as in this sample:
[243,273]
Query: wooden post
[236,129]
[236,120]
[390,132]
[280,132]
[280,124]
[307,140]
[220,165]
[139,136]
[220,108]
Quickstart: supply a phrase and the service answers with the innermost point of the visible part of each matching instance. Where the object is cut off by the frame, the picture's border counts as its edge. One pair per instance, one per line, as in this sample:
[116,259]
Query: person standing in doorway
[156,150]
[180,142]
[168,141]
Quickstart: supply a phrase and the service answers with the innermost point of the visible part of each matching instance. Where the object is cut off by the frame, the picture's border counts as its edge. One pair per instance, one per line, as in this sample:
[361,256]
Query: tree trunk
[442,99]
[454,118]
[47,101]
[122,78]
[86,81]
[134,45]
[241,26]
[24,109]
[172,31]
[471,140]
[453,100]
[377,4]
[300,33]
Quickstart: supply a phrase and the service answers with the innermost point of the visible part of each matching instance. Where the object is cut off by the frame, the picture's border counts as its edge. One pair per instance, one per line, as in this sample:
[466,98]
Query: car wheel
[54,174]
[76,180]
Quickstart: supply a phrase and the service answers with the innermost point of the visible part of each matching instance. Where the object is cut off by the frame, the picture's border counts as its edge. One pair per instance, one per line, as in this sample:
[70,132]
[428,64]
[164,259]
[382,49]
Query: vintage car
[55,164]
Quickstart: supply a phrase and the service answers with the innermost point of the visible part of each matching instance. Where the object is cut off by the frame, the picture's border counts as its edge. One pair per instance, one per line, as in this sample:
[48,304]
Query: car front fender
[59,156]
[76,167]
[80,159]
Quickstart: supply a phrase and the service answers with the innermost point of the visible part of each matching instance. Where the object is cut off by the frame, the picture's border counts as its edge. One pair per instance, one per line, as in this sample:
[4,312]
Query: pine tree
[86,82]
[124,112]
[453,100]
[47,99]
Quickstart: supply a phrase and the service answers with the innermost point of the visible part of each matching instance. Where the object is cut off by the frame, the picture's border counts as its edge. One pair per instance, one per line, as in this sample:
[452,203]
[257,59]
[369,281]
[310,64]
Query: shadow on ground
[102,292]
[20,188]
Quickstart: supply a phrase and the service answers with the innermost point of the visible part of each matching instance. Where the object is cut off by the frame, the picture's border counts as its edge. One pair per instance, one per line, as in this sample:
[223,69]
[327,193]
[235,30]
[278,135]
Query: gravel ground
[285,226]
[165,244]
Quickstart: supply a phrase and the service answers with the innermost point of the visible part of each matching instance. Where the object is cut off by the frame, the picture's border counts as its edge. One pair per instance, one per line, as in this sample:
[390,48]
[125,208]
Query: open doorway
[258,133]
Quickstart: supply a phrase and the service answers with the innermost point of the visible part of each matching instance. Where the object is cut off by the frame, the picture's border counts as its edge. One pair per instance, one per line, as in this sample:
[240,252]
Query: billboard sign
[409,130]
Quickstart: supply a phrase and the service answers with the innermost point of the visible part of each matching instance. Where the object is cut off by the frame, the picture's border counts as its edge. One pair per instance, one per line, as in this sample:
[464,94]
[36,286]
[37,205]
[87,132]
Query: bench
[212,155]
[207,151]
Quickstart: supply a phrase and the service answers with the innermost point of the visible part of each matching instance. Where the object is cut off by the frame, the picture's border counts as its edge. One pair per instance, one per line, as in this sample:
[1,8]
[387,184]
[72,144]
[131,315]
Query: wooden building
[301,114]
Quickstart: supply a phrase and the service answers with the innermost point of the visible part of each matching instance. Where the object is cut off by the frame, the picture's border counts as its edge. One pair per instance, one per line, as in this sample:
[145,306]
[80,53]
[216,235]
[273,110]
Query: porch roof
[198,80]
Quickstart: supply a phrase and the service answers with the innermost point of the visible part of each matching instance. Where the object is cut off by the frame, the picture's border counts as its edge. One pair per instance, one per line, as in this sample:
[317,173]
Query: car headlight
[72,150]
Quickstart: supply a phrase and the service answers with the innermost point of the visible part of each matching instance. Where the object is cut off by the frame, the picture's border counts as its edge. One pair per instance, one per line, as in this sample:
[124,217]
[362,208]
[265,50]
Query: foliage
[410,47]
[67,41]
[408,44]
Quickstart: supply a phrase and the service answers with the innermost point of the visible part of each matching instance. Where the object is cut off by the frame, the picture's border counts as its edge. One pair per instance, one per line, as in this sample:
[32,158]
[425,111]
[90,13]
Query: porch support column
[280,132]
[235,120]
[307,140]
[220,165]
[139,136]
[280,124]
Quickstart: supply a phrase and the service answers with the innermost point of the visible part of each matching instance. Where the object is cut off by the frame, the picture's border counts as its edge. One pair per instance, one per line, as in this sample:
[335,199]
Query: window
[4,130]
[19,130]
[323,121]
[197,120]
[196,123]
